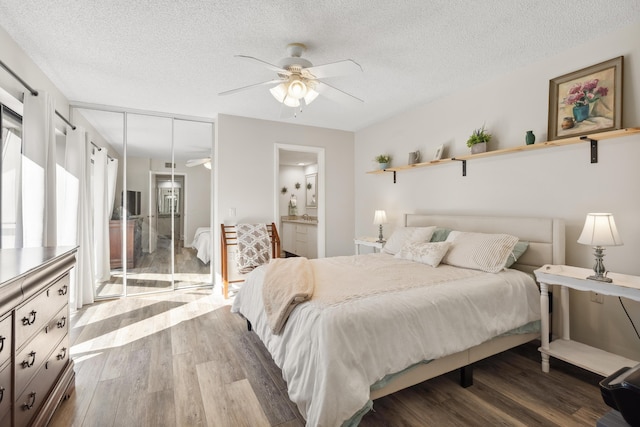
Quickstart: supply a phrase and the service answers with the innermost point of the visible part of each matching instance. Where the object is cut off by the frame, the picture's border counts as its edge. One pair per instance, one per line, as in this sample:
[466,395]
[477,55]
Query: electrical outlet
[596,297]
[232,212]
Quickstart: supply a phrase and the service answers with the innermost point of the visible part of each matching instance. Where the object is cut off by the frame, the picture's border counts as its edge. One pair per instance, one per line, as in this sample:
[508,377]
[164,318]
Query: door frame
[320,154]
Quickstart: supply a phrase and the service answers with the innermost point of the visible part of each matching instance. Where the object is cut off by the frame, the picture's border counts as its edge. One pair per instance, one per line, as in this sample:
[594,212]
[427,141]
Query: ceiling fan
[299,82]
[205,161]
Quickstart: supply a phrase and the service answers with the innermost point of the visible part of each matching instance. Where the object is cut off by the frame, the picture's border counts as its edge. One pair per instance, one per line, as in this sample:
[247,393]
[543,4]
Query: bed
[337,355]
[202,244]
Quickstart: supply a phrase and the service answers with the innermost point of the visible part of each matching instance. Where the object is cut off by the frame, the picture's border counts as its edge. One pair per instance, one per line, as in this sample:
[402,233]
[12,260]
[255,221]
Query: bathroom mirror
[311,190]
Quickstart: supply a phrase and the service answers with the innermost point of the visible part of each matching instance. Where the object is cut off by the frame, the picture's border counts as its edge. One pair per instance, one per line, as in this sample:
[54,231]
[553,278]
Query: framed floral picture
[586,101]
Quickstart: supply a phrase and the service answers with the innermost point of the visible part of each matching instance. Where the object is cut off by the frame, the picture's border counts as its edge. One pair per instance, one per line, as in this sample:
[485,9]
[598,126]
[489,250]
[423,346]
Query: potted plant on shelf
[478,140]
[383,160]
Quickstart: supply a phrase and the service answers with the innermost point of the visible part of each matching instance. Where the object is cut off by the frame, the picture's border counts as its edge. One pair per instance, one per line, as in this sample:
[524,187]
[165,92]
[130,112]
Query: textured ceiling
[175,56]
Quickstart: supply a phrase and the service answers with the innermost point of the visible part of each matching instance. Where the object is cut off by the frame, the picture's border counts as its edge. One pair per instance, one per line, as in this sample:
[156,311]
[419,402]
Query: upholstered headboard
[545,235]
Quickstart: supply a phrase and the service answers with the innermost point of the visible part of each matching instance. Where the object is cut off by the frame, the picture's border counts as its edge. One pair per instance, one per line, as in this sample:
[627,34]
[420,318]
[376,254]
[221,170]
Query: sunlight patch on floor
[151,325]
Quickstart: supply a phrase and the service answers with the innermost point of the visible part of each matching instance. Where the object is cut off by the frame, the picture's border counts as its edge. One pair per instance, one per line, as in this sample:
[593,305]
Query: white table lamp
[599,230]
[379,218]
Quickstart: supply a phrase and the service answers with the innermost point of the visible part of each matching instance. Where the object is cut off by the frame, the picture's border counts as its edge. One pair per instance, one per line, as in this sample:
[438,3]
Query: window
[10,167]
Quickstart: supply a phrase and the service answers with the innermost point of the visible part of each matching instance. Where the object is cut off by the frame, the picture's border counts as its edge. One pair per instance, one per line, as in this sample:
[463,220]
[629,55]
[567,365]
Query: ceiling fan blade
[335,94]
[196,162]
[270,66]
[240,89]
[339,68]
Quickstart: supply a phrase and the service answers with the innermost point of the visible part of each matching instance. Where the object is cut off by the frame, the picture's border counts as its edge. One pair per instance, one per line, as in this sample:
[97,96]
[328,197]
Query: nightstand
[563,348]
[368,241]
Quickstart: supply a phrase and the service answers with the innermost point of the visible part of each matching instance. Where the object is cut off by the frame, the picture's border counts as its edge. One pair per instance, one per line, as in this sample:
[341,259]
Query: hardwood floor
[182,359]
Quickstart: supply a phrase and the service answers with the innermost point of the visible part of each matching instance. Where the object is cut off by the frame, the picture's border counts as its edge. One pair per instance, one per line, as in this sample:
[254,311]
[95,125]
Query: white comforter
[331,352]
[202,244]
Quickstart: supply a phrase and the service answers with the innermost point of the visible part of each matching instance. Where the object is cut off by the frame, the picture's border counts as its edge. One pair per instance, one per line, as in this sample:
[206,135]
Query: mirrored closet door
[162,202]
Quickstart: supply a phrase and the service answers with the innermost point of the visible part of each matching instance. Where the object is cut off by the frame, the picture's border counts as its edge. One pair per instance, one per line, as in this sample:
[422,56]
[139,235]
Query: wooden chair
[229,239]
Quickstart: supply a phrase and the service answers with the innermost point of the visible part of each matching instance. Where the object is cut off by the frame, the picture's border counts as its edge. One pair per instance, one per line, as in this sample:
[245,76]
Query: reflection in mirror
[312,190]
[149,264]
[193,143]
[161,205]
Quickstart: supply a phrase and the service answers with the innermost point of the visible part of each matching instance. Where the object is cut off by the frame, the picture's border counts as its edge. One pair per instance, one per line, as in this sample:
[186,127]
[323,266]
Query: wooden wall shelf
[592,138]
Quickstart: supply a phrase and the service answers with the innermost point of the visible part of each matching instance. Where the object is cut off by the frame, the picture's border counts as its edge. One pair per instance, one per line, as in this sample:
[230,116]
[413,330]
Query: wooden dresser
[133,246]
[36,372]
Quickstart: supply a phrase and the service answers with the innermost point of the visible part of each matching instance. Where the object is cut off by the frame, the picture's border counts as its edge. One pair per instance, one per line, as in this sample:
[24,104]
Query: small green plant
[383,158]
[478,136]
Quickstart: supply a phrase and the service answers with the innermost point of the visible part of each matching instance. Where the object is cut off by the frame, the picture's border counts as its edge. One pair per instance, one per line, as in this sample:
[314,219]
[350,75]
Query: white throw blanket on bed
[287,283]
[254,246]
[331,353]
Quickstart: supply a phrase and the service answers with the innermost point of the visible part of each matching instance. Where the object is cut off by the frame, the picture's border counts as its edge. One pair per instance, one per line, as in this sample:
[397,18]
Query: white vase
[479,148]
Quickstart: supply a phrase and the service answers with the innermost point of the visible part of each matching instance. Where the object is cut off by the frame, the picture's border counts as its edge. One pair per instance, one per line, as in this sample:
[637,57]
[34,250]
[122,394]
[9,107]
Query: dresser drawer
[5,339]
[34,354]
[35,313]
[5,391]
[32,398]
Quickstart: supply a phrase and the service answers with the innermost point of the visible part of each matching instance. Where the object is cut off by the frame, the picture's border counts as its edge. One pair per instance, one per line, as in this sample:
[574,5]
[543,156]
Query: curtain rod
[100,149]
[33,91]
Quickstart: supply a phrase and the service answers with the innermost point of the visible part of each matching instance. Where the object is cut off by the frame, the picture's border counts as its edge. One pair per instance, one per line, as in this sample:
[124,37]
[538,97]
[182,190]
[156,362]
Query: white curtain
[37,224]
[104,181]
[75,221]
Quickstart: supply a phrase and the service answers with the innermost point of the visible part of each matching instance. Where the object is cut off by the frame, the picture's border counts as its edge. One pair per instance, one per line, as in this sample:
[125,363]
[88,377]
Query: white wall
[246,174]
[554,182]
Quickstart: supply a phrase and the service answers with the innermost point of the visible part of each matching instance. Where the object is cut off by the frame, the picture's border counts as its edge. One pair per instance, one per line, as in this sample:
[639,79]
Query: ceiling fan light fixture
[291,102]
[281,94]
[297,88]
[310,96]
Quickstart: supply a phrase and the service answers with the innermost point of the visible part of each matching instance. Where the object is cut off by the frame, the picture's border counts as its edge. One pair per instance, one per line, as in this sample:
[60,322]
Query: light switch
[232,212]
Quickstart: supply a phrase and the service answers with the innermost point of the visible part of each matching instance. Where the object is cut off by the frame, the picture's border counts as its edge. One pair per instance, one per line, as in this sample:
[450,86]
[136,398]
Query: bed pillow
[517,252]
[430,253]
[402,235]
[479,251]
[440,234]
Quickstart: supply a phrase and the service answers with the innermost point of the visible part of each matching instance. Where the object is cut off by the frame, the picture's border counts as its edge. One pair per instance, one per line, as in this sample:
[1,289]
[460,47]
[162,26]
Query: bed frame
[546,237]
[228,246]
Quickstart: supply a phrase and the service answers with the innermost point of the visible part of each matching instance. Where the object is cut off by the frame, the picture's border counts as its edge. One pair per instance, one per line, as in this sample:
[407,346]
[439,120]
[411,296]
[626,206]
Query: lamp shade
[380,217]
[600,230]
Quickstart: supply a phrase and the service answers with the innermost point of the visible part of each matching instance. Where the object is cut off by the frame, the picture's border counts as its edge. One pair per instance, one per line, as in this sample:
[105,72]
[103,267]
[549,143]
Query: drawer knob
[1,393]
[26,321]
[2,345]
[63,290]
[27,364]
[62,354]
[32,401]
[62,322]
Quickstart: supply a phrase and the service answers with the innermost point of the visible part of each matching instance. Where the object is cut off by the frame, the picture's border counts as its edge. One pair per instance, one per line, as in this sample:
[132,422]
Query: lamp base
[600,278]
[380,238]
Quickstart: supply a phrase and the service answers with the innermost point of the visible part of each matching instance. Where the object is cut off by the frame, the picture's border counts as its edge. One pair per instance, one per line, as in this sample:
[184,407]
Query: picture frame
[586,101]
[438,153]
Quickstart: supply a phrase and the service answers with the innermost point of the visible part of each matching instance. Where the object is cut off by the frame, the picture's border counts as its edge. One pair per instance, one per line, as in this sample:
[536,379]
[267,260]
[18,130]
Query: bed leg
[248,326]
[466,376]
